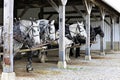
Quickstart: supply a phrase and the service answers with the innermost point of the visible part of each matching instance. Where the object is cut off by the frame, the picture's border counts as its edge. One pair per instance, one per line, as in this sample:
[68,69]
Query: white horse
[22,37]
[75,30]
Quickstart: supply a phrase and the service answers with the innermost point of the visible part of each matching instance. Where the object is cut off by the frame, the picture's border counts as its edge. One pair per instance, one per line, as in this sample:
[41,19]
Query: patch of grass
[74,69]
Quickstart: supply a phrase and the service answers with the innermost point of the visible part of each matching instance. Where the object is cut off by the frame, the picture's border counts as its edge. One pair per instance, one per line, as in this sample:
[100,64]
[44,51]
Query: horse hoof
[68,61]
[29,69]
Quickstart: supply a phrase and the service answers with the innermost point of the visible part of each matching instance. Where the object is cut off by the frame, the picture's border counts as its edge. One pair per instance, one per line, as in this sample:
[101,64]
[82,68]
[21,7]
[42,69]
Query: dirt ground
[99,68]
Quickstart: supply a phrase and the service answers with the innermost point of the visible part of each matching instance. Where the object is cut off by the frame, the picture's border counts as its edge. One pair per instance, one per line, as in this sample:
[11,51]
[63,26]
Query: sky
[113,3]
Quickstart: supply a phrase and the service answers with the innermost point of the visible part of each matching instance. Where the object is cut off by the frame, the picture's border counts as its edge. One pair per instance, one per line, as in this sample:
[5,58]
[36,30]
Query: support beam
[62,61]
[79,11]
[54,5]
[102,10]
[119,33]
[88,6]
[67,20]
[8,73]
[112,26]
[23,12]
[49,16]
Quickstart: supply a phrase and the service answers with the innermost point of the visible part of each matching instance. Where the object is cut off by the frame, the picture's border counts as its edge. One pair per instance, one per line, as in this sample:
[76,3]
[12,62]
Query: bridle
[77,33]
[46,30]
[77,28]
[29,28]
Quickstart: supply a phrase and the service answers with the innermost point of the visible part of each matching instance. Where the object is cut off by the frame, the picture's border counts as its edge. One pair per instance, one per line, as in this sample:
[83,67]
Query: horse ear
[52,22]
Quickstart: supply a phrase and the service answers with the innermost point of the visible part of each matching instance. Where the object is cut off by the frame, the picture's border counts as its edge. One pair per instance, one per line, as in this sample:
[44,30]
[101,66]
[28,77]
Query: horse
[71,33]
[47,30]
[22,38]
[93,33]
[46,34]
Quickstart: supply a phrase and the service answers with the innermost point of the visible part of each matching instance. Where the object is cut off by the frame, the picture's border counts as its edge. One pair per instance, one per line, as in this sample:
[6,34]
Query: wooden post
[62,62]
[112,26]
[119,33]
[88,8]
[8,73]
[102,39]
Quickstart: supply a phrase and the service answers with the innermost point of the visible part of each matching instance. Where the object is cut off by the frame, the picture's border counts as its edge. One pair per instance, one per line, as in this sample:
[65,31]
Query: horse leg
[42,57]
[67,55]
[71,51]
[29,64]
[77,52]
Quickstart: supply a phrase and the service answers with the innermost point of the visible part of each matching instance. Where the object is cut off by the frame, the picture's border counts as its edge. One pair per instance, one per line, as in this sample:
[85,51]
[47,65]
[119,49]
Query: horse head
[77,31]
[99,31]
[22,32]
[47,29]
[82,30]
[36,34]
[51,29]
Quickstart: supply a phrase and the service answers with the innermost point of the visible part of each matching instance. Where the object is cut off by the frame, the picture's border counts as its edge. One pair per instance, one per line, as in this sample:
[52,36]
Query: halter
[76,30]
[45,30]
[99,31]
[34,31]
[77,34]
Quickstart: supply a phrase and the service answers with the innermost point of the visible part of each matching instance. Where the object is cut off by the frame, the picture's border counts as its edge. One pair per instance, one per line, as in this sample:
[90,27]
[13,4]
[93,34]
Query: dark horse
[93,33]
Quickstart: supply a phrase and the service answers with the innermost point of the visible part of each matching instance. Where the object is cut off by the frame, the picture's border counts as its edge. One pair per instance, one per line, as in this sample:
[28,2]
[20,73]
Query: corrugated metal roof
[114,4]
